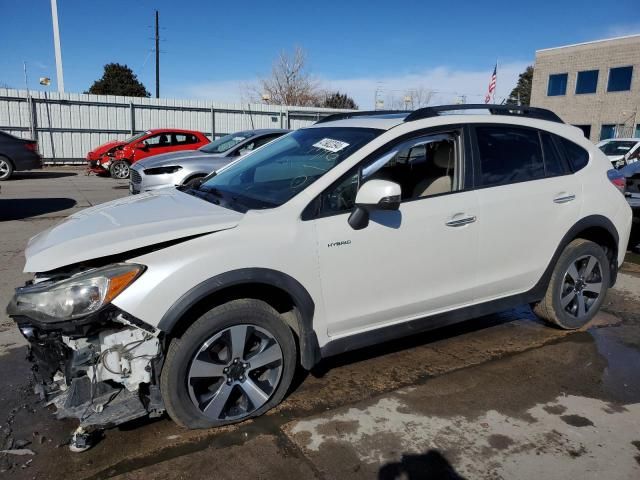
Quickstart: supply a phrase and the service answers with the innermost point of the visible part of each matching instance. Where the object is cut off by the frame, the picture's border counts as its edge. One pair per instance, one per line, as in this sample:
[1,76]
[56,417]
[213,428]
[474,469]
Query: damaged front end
[92,361]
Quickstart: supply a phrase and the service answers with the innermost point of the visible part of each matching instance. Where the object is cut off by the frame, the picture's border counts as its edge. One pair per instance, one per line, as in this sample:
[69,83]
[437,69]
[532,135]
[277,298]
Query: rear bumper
[634,203]
[29,161]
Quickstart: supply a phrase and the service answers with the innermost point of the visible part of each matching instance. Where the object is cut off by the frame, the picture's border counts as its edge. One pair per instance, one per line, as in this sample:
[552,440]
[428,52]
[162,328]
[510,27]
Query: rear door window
[184,139]
[508,154]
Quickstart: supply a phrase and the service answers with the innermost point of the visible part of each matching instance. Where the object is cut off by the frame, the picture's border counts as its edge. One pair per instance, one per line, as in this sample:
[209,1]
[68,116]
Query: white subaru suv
[364,227]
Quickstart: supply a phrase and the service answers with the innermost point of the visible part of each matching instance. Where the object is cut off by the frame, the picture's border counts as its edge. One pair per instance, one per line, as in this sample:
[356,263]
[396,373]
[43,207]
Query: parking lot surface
[501,396]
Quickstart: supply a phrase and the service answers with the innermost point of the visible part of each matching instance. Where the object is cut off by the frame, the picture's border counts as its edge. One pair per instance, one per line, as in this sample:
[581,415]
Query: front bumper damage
[102,371]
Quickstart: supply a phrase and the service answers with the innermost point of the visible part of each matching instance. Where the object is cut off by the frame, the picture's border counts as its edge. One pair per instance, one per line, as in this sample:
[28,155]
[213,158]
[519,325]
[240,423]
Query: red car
[115,157]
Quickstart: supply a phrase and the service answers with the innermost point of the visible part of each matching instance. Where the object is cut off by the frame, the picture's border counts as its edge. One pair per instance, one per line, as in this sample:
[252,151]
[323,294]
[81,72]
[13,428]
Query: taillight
[31,146]
[618,179]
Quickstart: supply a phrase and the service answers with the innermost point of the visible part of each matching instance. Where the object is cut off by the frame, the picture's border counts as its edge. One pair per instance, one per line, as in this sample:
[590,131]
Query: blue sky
[212,49]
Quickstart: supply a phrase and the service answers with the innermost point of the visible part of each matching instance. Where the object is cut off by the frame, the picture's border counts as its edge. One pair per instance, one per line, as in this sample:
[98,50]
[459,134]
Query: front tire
[119,170]
[235,362]
[6,168]
[578,286]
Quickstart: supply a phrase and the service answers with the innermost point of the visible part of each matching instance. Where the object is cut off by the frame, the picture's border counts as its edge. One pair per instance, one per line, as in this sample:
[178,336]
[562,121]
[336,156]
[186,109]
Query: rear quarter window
[577,156]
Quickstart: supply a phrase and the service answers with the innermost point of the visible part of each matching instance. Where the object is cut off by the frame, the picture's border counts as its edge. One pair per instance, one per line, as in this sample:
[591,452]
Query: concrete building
[593,85]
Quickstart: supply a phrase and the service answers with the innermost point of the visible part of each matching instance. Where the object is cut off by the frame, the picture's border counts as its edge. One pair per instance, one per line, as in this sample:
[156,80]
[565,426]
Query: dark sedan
[17,154]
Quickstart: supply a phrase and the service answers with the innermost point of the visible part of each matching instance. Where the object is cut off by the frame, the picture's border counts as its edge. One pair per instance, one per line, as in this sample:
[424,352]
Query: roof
[637,35]
[266,131]
[386,120]
[381,122]
[180,130]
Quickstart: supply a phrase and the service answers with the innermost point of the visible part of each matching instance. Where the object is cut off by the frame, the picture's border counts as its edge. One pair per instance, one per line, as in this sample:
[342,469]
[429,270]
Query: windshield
[225,143]
[136,137]
[617,148]
[273,174]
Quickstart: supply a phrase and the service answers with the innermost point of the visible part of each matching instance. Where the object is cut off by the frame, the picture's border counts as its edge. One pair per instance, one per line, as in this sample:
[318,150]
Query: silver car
[188,167]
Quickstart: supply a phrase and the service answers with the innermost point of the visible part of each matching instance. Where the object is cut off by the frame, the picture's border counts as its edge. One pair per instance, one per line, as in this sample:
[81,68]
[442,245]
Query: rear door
[528,199]
[183,141]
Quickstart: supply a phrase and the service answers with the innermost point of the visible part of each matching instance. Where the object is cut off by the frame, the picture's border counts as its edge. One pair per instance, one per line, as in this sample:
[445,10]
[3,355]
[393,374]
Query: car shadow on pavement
[21,208]
[428,466]
[40,175]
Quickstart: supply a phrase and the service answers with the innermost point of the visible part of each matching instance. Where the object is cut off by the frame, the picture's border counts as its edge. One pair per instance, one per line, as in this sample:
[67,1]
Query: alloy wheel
[235,372]
[581,286]
[5,168]
[121,170]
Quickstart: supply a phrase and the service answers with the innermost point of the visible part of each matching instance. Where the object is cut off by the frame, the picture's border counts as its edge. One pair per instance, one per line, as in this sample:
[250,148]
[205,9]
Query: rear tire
[577,287]
[6,168]
[235,362]
[119,170]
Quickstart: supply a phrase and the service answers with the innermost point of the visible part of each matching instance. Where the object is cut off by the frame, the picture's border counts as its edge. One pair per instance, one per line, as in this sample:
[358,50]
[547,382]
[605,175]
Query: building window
[637,131]
[557,84]
[586,129]
[587,82]
[620,79]
[607,131]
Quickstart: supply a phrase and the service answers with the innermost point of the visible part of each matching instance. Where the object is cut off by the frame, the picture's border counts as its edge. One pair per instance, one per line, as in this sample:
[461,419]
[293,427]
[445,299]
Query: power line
[157,57]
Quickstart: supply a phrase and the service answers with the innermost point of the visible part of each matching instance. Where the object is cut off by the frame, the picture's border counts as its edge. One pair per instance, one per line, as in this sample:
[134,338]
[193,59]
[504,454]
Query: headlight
[76,296]
[161,170]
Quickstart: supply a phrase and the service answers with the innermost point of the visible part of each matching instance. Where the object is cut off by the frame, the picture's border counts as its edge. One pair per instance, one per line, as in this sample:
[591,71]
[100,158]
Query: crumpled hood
[167,159]
[123,225]
[104,148]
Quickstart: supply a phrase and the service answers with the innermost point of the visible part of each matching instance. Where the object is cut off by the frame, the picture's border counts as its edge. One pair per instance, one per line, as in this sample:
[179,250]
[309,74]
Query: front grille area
[135,176]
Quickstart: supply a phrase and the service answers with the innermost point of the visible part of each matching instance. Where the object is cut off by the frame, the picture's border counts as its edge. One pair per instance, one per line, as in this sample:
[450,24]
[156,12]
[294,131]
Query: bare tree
[289,84]
[420,97]
[412,99]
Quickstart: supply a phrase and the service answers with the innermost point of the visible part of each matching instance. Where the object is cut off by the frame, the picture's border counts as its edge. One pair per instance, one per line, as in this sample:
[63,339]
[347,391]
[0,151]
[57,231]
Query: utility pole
[56,44]
[157,57]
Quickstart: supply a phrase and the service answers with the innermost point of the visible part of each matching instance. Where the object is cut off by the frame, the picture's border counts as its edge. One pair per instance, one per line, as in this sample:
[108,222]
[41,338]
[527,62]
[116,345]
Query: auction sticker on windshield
[331,145]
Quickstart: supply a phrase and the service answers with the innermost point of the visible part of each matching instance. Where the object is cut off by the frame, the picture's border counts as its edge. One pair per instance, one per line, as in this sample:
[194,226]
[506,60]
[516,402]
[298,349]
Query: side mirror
[142,146]
[374,195]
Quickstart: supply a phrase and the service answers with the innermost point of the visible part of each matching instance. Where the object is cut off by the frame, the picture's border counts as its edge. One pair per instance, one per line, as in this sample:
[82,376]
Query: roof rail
[515,110]
[358,113]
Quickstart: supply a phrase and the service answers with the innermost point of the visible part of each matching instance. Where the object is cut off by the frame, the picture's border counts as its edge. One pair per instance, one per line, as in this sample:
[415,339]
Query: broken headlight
[74,297]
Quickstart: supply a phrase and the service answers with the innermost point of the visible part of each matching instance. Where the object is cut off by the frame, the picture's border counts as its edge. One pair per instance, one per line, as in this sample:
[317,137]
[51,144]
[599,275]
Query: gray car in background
[188,167]
[17,154]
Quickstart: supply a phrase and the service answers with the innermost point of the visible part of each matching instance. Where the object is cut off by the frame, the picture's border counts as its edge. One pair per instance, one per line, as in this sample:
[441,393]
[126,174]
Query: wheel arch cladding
[598,229]
[273,287]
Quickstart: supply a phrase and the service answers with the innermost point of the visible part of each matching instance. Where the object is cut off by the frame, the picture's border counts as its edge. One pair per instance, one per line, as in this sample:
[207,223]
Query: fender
[587,222]
[309,348]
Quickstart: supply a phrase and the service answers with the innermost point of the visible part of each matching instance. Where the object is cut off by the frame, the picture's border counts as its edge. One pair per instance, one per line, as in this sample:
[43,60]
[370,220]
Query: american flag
[492,85]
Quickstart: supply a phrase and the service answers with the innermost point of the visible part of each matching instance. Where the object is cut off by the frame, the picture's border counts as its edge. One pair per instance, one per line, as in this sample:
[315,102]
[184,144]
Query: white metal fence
[68,125]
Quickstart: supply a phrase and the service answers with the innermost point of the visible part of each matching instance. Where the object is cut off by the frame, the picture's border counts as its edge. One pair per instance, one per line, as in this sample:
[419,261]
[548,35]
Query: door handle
[564,198]
[459,222]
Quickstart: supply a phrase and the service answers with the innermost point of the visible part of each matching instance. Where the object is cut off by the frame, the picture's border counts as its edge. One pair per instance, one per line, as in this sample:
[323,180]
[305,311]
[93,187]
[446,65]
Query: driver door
[406,264]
